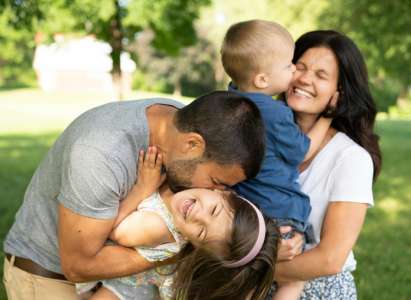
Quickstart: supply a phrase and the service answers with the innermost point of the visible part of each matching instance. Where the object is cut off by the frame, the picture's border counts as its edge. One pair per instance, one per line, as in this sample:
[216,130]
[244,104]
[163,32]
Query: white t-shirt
[341,172]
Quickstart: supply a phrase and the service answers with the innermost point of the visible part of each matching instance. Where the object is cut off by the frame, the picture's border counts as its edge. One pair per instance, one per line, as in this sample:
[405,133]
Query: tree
[382,31]
[190,73]
[116,21]
[16,42]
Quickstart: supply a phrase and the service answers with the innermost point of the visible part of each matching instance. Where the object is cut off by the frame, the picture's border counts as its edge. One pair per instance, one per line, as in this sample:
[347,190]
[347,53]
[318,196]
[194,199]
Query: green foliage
[17,46]
[190,73]
[382,31]
[149,81]
[385,92]
[115,22]
[170,20]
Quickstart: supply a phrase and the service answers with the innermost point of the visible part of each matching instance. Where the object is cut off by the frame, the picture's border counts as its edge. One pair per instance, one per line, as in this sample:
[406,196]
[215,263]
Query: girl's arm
[149,179]
[341,228]
[152,230]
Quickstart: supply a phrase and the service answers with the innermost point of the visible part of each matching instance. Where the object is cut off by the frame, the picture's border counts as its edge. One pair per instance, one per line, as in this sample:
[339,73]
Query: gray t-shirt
[89,169]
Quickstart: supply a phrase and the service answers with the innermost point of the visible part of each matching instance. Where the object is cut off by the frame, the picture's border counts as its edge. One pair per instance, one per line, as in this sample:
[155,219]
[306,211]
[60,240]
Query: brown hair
[356,111]
[249,46]
[202,274]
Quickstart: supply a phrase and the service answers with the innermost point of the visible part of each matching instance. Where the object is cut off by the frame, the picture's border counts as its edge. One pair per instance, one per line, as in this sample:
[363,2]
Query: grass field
[28,128]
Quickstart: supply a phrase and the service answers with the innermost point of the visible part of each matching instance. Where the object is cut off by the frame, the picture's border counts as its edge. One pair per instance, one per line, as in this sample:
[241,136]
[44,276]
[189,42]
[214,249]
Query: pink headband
[258,243]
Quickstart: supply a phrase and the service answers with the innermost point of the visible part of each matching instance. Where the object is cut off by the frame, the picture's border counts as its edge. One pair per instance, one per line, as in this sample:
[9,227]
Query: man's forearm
[110,262]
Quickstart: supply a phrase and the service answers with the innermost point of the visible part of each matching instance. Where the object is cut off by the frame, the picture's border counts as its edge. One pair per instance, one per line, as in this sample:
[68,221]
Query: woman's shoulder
[347,152]
[348,147]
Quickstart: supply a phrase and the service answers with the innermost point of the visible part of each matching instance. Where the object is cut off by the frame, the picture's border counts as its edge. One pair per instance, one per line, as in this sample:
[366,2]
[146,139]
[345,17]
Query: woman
[339,178]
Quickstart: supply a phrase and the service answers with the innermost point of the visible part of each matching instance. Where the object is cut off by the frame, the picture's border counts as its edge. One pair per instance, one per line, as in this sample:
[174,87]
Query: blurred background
[59,58]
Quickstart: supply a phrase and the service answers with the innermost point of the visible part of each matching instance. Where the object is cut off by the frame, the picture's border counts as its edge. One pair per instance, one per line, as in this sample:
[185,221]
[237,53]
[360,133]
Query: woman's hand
[149,177]
[288,249]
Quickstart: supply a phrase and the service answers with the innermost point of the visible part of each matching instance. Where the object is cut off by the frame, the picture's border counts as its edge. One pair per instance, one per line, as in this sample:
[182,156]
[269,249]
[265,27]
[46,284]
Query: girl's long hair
[356,111]
[202,274]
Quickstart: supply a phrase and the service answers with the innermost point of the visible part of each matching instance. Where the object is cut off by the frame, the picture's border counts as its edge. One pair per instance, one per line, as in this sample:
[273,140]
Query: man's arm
[84,257]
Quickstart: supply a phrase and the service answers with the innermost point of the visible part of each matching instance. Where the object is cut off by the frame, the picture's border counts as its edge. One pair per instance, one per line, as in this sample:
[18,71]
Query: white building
[82,64]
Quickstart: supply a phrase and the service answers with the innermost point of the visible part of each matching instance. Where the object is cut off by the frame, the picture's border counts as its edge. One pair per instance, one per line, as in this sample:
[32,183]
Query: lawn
[28,128]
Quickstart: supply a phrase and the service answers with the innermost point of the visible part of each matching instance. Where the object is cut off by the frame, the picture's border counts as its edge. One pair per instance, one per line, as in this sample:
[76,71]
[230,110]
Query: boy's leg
[289,290]
[21,285]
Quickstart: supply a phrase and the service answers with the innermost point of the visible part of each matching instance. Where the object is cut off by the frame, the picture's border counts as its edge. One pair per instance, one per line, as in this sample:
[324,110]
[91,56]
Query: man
[71,202]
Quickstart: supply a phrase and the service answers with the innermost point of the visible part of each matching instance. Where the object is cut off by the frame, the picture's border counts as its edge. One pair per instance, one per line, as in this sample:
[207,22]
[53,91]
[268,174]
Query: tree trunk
[116,43]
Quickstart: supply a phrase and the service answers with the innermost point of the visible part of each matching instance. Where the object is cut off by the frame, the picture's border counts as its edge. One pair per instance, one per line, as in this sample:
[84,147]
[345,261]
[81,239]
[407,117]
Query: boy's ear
[260,81]
[193,144]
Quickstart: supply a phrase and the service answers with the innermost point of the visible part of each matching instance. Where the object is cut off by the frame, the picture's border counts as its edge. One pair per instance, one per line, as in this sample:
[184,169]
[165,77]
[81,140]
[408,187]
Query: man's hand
[288,249]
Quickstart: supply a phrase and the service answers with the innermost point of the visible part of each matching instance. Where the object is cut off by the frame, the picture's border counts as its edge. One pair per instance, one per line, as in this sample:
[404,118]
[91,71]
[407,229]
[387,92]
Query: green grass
[383,251]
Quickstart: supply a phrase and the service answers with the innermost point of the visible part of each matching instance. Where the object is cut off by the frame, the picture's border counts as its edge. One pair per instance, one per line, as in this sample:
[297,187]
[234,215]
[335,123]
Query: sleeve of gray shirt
[90,182]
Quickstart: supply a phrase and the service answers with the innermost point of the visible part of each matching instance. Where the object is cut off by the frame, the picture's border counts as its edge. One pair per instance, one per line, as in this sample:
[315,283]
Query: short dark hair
[356,110]
[231,127]
[202,274]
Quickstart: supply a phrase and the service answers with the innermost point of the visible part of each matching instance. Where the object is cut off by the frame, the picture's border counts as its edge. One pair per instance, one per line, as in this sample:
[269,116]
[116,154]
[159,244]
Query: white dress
[156,282]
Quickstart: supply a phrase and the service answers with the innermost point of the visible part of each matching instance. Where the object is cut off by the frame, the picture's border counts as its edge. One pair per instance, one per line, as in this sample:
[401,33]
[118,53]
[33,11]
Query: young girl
[225,249]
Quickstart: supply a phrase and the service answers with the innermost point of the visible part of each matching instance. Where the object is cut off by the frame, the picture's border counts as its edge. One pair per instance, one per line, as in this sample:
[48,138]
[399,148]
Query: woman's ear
[334,100]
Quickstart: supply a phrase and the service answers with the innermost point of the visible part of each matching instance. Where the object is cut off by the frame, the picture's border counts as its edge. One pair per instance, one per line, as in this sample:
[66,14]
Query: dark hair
[202,274]
[231,127]
[356,111]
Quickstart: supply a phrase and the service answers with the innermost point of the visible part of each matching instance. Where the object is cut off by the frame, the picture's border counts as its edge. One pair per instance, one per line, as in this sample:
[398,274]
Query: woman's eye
[299,67]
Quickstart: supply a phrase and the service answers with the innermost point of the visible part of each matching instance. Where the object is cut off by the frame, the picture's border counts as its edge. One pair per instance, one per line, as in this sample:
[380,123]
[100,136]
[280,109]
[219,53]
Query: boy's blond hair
[250,46]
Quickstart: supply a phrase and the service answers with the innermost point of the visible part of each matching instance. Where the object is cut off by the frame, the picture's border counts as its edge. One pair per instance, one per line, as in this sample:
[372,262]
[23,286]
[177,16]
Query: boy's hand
[149,177]
[288,249]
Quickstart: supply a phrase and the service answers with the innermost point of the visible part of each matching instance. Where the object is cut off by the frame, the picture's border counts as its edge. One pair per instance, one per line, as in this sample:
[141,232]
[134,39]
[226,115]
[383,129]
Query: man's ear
[192,144]
[260,81]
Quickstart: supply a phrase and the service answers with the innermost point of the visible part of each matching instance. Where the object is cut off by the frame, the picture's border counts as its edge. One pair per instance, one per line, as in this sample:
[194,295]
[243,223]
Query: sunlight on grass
[32,110]
[391,207]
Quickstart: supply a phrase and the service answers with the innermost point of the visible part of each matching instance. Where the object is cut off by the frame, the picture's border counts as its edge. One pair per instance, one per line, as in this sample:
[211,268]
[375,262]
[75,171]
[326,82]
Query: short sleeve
[353,178]
[291,143]
[90,183]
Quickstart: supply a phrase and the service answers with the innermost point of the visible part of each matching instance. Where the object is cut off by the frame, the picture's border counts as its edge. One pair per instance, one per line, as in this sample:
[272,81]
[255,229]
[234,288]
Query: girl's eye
[322,76]
[201,232]
[214,210]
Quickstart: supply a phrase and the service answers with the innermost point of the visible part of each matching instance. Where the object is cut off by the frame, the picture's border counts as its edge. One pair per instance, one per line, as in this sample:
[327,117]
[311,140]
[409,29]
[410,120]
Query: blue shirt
[275,189]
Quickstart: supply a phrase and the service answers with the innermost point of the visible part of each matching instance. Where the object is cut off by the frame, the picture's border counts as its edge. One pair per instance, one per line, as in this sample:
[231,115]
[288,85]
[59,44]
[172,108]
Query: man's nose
[221,187]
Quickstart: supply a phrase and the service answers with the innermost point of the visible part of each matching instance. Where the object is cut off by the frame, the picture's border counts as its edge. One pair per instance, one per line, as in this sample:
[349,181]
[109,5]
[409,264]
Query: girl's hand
[149,177]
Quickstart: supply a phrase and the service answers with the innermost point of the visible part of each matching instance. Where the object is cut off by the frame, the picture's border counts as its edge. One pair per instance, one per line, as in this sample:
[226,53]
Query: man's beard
[180,172]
